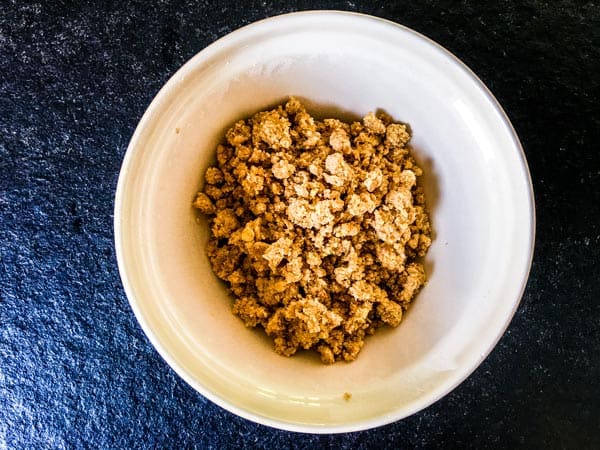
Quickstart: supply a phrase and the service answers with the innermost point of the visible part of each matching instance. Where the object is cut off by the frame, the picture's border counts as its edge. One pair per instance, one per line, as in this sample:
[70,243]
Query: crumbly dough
[317,227]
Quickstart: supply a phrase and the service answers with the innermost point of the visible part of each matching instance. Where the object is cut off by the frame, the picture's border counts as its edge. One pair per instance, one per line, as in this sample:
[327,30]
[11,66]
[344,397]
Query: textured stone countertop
[76,370]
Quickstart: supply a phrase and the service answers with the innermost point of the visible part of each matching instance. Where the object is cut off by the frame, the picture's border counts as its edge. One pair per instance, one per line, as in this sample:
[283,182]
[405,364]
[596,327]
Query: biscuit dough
[316,227]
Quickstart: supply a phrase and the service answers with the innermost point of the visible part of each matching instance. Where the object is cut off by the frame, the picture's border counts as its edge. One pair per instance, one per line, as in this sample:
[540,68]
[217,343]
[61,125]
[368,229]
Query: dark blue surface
[76,370]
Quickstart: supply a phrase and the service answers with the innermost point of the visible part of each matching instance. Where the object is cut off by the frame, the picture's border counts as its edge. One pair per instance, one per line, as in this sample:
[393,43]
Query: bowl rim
[133,149]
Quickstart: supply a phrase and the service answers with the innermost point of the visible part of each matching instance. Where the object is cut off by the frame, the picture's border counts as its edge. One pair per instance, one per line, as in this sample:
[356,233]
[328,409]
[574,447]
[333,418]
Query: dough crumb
[317,227]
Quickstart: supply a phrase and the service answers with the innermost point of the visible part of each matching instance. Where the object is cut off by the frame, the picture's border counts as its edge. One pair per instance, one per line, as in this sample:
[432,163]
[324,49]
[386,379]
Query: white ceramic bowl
[477,184]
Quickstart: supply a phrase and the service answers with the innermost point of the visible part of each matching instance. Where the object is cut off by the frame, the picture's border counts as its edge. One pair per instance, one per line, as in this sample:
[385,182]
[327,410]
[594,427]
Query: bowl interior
[476,182]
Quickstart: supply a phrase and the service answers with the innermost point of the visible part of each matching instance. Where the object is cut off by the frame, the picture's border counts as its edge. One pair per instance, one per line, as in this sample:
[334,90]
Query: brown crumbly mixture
[316,227]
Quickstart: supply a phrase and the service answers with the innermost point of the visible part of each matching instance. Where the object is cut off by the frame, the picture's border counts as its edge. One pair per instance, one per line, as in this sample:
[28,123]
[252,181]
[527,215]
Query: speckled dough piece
[316,227]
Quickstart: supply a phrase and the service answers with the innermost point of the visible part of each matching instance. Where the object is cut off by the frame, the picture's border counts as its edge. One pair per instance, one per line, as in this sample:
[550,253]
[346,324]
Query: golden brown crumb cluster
[316,227]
